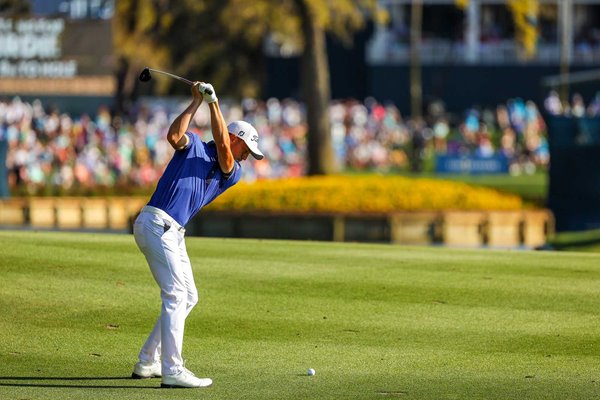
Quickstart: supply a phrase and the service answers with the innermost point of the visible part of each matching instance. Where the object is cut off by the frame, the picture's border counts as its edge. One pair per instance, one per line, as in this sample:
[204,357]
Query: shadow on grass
[47,382]
[576,241]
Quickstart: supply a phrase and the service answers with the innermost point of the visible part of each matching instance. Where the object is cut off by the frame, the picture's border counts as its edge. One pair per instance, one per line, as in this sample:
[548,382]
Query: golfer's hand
[196,92]
[208,92]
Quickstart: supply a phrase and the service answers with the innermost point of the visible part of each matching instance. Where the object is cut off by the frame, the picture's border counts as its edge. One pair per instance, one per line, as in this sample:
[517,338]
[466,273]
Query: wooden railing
[501,229]
[112,213]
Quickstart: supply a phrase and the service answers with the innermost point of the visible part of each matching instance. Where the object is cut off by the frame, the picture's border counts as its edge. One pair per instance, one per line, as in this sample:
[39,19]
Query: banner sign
[56,48]
[31,48]
[471,165]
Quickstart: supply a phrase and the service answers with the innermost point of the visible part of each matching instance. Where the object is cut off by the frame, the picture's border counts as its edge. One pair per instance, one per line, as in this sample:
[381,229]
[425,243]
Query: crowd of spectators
[55,152]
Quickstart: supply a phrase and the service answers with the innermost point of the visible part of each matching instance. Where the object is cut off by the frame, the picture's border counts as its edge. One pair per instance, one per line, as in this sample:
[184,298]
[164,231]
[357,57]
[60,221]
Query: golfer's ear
[233,139]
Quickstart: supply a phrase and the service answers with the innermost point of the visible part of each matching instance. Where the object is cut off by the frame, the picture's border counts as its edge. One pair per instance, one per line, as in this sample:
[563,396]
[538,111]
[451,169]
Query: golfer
[195,176]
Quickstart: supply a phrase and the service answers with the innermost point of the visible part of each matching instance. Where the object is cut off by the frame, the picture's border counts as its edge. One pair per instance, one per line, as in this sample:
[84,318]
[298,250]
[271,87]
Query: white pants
[161,239]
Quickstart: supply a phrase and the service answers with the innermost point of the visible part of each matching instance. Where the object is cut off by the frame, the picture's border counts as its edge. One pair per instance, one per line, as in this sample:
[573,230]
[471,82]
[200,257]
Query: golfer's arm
[221,137]
[176,135]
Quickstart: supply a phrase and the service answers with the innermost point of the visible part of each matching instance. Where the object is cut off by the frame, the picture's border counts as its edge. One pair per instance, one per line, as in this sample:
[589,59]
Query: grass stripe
[375,321]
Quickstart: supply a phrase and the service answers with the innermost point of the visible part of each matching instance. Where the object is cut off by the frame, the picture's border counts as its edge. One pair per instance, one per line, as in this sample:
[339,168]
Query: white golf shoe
[143,370]
[185,379]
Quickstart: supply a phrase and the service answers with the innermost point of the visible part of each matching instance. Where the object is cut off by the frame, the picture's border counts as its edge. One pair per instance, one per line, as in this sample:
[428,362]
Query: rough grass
[375,321]
[577,241]
[533,189]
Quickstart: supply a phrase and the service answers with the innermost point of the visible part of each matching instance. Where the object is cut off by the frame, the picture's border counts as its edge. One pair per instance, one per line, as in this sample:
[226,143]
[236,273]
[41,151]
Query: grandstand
[459,51]
[484,98]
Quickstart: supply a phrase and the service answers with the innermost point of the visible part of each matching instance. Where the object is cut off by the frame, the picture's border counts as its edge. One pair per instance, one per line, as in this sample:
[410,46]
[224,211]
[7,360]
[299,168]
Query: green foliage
[221,42]
[14,7]
[187,38]
[525,15]
[577,241]
[533,189]
[374,321]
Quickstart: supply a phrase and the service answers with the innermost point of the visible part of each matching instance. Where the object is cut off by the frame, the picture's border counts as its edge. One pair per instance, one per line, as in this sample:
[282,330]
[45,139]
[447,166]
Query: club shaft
[172,76]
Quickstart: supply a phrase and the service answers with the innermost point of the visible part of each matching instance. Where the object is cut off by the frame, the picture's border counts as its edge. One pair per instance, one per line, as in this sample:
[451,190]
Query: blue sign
[470,164]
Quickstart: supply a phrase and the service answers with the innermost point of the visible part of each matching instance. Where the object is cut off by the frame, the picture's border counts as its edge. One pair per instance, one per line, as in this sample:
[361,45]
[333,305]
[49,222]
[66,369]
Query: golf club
[145,76]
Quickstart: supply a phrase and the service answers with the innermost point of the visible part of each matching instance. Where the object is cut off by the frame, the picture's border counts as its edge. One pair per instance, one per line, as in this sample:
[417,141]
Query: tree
[305,23]
[140,31]
[14,7]
[525,16]
[316,91]
[189,38]
[341,18]
[222,42]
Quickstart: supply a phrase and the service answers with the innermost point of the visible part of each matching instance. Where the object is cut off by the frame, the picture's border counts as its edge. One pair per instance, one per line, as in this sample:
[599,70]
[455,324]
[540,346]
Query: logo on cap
[241,133]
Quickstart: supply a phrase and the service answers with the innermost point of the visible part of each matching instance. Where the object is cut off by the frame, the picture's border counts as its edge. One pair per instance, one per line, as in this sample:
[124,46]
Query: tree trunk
[416,91]
[120,105]
[127,87]
[316,93]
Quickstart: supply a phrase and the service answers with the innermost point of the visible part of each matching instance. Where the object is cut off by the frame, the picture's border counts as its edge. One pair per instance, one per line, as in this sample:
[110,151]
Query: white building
[484,33]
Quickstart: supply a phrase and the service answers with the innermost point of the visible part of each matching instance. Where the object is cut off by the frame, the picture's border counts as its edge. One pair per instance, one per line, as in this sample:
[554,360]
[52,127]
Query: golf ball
[311,372]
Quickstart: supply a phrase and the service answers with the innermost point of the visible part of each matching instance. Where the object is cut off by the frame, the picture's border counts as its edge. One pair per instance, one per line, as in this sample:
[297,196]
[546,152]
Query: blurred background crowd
[456,89]
[53,151]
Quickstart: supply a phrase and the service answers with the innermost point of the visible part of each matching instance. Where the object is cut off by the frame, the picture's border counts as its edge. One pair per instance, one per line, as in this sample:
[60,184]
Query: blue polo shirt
[192,179]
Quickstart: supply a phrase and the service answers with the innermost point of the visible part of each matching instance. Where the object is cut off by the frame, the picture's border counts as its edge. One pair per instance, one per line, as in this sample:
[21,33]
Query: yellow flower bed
[376,194]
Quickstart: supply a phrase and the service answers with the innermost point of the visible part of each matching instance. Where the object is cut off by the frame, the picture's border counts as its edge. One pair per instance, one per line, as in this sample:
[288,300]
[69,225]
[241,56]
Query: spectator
[485,147]
[577,106]
[594,106]
[553,104]
[55,152]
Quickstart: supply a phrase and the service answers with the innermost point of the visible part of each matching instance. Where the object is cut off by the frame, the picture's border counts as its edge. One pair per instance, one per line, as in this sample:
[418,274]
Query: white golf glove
[208,92]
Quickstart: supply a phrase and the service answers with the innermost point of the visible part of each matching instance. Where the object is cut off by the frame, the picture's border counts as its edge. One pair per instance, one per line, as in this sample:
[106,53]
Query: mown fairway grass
[375,321]
[533,189]
[577,241]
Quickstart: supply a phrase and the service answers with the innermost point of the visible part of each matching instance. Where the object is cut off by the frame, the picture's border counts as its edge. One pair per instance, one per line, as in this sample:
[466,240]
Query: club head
[145,75]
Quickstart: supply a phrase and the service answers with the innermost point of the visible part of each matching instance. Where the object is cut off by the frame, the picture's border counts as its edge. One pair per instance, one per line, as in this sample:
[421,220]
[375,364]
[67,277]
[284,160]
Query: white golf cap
[248,134]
